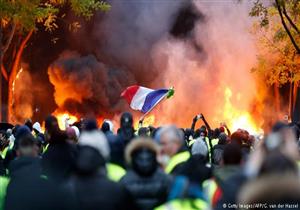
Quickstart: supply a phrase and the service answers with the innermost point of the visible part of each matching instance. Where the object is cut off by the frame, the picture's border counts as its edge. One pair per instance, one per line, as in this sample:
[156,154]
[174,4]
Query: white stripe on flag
[139,98]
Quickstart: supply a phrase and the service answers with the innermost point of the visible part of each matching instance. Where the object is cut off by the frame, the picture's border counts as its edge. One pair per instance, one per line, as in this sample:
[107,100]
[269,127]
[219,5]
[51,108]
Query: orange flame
[64,119]
[236,118]
[148,121]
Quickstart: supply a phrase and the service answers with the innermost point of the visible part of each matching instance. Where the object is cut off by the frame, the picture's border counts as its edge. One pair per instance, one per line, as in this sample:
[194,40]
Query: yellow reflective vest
[9,147]
[114,172]
[3,187]
[177,159]
[45,148]
[185,204]
[210,187]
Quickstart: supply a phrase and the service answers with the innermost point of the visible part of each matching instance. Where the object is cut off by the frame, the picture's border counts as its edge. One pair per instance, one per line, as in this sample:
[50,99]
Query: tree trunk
[277,97]
[12,76]
[4,100]
[291,101]
[1,63]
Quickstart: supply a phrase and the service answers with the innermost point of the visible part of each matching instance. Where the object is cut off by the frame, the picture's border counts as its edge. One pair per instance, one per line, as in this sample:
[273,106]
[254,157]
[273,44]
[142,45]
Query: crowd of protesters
[87,167]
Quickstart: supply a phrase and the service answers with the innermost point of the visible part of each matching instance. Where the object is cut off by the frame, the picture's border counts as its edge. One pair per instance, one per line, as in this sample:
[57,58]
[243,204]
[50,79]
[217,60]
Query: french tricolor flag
[142,98]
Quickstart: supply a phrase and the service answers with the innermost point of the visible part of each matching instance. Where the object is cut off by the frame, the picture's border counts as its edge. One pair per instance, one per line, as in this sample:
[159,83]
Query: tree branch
[286,28]
[10,37]
[19,53]
[289,18]
[4,72]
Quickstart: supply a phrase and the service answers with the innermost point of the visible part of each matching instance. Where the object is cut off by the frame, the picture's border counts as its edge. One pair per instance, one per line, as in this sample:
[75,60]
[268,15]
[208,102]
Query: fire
[64,118]
[236,118]
[148,121]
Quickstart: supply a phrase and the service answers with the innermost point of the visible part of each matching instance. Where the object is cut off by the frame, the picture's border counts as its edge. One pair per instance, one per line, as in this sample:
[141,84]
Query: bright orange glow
[236,118]
[64,118]
[148,121]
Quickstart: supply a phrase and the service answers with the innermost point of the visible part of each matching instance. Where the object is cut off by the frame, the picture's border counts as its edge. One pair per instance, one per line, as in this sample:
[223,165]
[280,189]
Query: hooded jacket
[58,161]
[91,188]
[147,183]
[27,191]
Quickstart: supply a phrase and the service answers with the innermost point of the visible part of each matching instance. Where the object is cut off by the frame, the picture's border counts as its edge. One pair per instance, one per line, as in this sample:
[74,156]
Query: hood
[141,156]
[139,143]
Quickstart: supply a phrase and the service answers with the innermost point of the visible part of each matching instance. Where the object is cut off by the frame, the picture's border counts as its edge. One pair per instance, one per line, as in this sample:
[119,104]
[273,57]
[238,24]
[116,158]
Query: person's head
[223,139]
[232,154]
[20,132]
[4,141]
[28,123]
[37,128]
[141,155]
[105,127]
[51,124]
[144,132]
[216,132]
[277,163]
[110,124]
[188,133]
[199,148]
[89,125]
[71,133]
[27,146]
[93,152]
[126,120]
[237,137]
[171,140]
[202,131]
[283,140]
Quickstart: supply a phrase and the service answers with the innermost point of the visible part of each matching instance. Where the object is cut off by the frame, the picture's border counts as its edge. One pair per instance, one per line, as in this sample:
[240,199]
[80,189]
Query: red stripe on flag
[129,93]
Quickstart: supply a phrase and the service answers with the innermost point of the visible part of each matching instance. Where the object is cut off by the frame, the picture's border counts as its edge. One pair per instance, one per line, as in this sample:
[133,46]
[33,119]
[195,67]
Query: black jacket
[27,191]
[97,192]
[148,192]
[230,189]
[58,162]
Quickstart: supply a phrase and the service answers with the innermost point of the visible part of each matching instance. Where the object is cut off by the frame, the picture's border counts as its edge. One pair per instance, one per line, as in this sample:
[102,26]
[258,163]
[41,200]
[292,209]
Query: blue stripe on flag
[152,98]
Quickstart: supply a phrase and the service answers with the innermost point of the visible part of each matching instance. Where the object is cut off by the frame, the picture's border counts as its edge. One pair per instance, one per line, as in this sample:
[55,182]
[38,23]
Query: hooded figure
[58,161]
[219,149]
[145,181]
[11,154]
[91,187]
[126,131]
[124,136]
[26,189]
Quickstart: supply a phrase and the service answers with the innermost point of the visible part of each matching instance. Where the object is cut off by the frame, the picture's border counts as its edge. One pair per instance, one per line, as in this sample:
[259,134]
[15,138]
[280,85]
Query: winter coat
[146,182]
[27,191]
[230,189]
[224,173]
[97,192]
[58,162]
[117,147]
[148,192]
